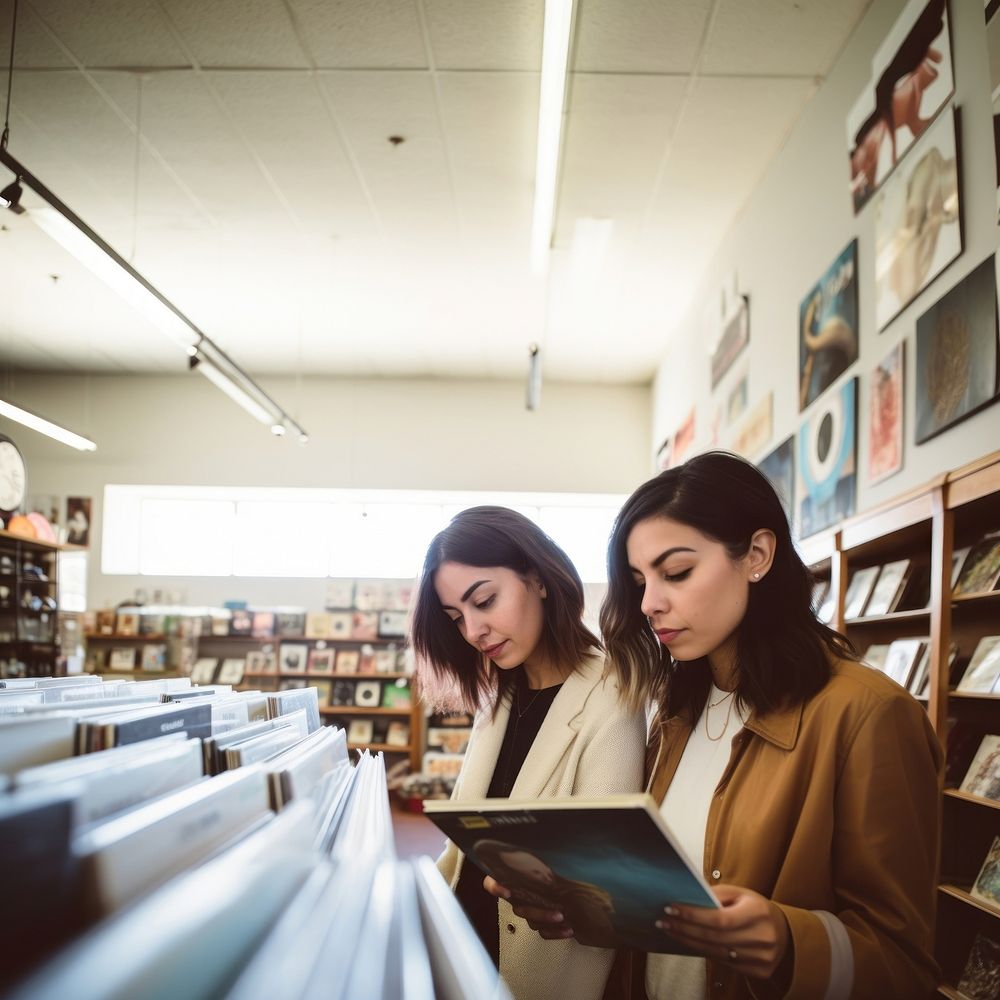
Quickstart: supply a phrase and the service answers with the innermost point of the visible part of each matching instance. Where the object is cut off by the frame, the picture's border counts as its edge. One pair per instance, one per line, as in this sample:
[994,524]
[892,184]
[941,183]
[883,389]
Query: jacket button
[718,986]
[716,873]
[510,927]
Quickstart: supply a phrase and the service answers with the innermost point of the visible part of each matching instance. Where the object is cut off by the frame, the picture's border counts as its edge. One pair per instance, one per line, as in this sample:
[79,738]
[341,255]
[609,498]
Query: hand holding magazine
[610,865]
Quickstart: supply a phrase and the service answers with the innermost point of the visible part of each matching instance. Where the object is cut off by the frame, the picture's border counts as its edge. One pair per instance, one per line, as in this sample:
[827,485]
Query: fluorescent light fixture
[555,56]
[237,394]
[61,223]
[46,427]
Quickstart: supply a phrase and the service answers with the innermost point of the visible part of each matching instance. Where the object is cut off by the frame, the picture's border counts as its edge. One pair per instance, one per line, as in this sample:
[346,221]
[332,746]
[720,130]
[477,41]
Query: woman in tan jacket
[498,621]
[804,783]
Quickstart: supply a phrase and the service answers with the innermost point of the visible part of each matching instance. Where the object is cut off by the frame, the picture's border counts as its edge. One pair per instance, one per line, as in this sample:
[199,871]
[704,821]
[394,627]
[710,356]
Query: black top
[527,713]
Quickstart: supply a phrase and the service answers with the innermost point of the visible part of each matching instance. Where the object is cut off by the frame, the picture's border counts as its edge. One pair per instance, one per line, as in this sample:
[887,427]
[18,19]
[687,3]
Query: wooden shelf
[137,673]
[955,793]
[950,991]
[118,637]
[966,897]
[975,695]
[894,616]
[361,710]
[983,597]
[383,747]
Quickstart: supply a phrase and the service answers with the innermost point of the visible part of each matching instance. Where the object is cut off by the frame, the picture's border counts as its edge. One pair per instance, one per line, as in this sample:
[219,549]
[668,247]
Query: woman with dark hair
[499,623]
[804,783]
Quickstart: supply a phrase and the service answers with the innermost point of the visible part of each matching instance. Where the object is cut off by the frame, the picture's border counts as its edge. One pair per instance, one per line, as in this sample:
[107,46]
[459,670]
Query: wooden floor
[415,834]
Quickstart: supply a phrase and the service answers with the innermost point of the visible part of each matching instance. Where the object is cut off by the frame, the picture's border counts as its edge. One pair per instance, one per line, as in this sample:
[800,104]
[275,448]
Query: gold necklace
[518,711]
[729,712]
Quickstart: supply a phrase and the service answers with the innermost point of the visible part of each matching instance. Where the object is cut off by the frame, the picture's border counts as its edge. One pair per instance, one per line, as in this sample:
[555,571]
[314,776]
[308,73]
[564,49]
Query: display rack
[927,525]
[29,639]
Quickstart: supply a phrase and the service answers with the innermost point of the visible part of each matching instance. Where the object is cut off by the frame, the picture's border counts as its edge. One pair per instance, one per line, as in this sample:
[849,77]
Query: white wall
[386,434]
[797,222]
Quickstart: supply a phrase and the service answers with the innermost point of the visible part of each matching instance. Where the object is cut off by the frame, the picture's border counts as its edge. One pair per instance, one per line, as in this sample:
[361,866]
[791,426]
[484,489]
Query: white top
[685,808]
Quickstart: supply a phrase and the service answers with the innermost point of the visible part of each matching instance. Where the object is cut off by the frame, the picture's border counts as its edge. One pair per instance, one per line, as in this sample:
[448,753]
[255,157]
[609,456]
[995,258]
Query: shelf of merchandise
[39,654]
[927,524]
[361,710]
[120,637]
[381,747]
[144,674]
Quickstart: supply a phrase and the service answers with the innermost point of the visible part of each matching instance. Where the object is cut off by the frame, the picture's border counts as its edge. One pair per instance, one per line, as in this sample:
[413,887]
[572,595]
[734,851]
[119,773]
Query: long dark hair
[452,671]
[782,651]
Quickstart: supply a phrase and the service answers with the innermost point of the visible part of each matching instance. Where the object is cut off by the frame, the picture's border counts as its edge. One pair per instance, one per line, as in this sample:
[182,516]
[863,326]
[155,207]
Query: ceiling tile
[623,36]
[777,37]
[502,34]
[362,34]
[237,33]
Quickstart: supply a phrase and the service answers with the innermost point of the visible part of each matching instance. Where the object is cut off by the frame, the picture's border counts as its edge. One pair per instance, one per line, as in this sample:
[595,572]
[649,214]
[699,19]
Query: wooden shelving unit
[928,524]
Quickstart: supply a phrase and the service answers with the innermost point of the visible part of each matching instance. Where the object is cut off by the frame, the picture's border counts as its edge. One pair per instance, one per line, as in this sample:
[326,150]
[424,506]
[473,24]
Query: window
[302,533]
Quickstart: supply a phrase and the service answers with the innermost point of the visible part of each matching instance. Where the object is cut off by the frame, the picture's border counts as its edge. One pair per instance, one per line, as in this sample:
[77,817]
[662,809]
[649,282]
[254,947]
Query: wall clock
[13,477]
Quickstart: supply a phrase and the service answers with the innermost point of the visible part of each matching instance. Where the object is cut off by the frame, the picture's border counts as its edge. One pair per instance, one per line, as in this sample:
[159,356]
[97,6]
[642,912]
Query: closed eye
[487,603]
[677,577]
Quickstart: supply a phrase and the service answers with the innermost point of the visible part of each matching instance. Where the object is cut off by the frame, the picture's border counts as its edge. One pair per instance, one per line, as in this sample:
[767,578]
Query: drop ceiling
[237,153]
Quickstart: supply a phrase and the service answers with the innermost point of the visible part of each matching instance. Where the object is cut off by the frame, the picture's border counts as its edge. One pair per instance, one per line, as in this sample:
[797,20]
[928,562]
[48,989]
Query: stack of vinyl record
[164,840]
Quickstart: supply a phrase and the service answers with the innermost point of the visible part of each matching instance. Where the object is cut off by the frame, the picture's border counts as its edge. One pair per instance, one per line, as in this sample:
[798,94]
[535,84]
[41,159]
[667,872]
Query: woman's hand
[749,933]
[550,924]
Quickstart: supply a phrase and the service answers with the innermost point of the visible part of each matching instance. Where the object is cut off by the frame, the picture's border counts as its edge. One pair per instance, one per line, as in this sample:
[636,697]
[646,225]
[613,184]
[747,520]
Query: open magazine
[609,865]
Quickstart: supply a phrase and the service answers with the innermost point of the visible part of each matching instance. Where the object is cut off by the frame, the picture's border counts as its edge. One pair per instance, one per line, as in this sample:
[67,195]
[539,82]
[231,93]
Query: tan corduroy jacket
[588,745]
[830,809]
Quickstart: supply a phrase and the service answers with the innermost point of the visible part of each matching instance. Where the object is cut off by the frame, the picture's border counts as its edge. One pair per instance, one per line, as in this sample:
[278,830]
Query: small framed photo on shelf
[983,671]
[232,670]
[127,623]
[368,694]
[347,661]
[384,661]
[154,657]
[983,775]
[122,658]
[321,660]
[888,589]
[263,625]
[396,695]
[260,662]
[293,658]
[318,625]
[368,595]
[104,623]
[324,690]
[203,671]
[364,625]
[241,622]
[397,734]
[859,590]
[367,663]
[981,568]
[360,731]
[343,693]
[339,595]
[290,624]
[340,625]
[397,596]
[392,624]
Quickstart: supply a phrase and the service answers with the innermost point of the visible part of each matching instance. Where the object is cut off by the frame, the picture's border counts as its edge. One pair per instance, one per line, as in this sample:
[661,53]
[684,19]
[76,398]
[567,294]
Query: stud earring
[756,576]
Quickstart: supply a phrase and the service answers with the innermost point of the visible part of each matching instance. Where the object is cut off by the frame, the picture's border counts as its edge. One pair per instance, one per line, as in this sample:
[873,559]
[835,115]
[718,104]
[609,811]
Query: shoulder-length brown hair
[783,651]
[454,673]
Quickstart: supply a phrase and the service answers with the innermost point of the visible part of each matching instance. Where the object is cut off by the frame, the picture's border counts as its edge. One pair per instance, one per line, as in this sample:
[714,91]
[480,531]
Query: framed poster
[735,337]
[885,416]
[911,81]
[827,460]
[957,353]
[828,326]
[779,467]
[918,230]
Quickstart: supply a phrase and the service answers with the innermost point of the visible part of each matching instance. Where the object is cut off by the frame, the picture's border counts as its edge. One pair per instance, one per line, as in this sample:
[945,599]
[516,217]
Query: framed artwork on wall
[779,467]
[828,327]
[957,353]
[735,337]
[911,81]
[683,440]
[885,416]
[827,460]
[918,230]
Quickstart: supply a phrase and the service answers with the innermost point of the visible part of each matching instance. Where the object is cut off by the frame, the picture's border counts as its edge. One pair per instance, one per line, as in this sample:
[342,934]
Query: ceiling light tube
[552,94]
[46,427]
[234,391]
[61,223]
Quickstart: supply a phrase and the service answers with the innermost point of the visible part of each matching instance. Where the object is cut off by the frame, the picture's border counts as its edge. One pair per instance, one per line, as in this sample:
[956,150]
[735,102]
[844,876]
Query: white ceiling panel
[623,36]
[361,34]
[105,32]
[264,198]
[501,34]
[237,33]
[780,38]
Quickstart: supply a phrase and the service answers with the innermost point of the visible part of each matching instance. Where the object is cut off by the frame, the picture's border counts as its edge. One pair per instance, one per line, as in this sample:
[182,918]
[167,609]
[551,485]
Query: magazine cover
[609,865]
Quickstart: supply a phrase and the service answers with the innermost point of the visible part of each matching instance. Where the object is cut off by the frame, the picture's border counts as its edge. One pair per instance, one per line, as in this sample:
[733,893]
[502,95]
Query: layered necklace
[729,711]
